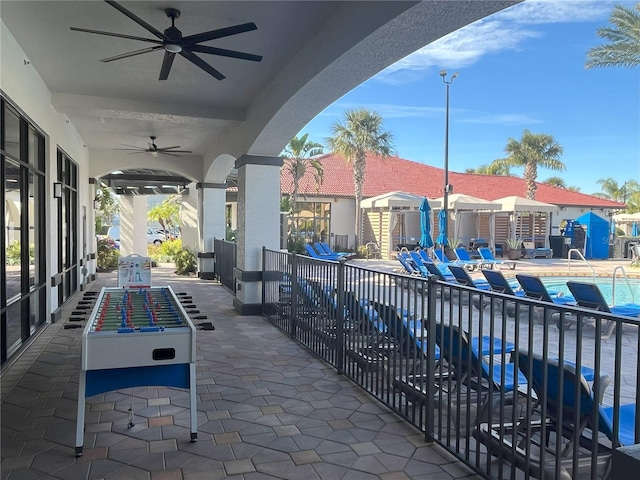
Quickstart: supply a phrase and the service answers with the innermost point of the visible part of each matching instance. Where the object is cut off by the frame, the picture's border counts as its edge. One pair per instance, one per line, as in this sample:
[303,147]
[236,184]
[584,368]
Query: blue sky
[522,68]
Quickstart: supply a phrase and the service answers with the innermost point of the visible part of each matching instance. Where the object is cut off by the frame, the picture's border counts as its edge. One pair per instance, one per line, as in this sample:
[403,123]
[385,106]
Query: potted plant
[452,244]
[514,248]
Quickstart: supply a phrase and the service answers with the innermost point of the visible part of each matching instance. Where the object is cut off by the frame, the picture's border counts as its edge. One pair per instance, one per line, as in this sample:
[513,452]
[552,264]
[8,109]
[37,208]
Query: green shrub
[14,250]
[165,252]
[231,235]
[295,245]
[185,262]
[108,254]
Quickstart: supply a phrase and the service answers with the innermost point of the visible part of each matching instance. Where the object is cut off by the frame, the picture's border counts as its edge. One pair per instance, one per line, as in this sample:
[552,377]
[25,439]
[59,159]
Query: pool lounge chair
[531,251]
[575,418]
[463,256]
[481,370]
[323,247]
[463,278]
[500,284]
[444,260]
[534,288]
[317,255]
[492,262]
[588,295]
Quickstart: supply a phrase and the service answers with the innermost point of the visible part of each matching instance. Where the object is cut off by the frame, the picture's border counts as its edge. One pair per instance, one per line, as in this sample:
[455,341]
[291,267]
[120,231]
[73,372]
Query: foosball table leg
[193,402]
[81,406]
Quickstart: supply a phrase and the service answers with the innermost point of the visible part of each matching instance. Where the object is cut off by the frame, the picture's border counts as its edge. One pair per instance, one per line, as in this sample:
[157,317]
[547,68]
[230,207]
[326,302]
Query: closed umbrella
[634,229]
[425,225]
[442,226]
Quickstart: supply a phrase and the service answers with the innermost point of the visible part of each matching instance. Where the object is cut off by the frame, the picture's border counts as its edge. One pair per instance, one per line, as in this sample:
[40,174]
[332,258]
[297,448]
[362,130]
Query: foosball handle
[79,451]
[194,437]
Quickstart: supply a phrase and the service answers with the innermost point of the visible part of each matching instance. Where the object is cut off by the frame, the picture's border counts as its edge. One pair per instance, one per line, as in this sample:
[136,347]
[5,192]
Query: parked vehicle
[153,237]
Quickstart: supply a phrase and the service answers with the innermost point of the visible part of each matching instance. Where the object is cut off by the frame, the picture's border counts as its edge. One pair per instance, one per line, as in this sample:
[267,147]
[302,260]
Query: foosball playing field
[144,309]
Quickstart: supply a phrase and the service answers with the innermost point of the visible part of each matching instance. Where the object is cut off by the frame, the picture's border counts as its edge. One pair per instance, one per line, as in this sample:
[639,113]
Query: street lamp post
[447,188]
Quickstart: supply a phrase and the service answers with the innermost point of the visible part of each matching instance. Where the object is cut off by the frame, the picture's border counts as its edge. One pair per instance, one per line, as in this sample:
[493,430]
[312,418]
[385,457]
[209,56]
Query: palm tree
[361,133]
[298,158]
[533,150]
[166,214]
[623,47]
[491,169]
[611,190]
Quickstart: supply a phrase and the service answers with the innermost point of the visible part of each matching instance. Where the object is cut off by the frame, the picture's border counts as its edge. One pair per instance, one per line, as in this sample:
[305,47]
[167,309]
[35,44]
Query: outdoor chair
[558,435]
[324,247]
[499,283]
[492,262]
[486,371]
[588,295]
[318,255]
[408,265]
[531,251]
[463,257]
[534,288]
[373,250]
[463,278]
[444,260]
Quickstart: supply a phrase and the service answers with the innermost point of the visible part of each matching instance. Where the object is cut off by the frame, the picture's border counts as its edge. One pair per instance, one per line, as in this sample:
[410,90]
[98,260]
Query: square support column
[258,226]
[133,225]
[212,198]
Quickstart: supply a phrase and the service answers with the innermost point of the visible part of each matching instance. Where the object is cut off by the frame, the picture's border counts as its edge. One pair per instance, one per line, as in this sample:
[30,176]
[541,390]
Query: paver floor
[267,409]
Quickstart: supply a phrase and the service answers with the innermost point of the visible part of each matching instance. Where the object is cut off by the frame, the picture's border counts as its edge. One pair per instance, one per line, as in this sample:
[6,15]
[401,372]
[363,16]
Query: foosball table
[137,337]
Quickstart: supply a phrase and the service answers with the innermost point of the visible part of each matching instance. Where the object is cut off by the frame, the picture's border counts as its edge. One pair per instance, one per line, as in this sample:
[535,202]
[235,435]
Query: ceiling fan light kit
[173,43]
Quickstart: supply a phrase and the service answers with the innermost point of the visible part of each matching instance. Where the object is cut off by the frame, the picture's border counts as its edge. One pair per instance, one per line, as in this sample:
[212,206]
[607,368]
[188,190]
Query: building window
[311,222]
[68,266]
[22,276]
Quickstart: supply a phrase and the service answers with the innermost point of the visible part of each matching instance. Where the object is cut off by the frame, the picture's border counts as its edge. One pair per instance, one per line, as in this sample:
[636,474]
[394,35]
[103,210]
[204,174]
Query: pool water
[625,293]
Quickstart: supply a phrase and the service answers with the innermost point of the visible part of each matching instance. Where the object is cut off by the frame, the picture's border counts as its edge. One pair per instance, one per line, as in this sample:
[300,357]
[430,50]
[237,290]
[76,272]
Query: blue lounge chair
[500,284]
[444,260]
[567,406]
[491,261]
[317,255]
[463,256]
[441,273]
[472,368]
[588,295]
[324,247]
[534,288]
[408,265]
[463,278]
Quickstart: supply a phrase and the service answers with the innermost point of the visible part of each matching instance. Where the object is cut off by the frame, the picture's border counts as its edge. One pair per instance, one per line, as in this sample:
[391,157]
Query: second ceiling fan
[154,150]
[173,43]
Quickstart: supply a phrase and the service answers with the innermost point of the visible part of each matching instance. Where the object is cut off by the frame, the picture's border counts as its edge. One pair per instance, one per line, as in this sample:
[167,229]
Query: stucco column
[189,218]
[212,199]
[258,226]
[133,225]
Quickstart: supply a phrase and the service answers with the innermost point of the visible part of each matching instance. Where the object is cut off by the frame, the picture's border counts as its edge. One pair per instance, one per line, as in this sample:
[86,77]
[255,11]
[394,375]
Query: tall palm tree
[361,133]
[298,156]
[623,47]
[166,214]
[556,182]
[533,150]
[611,190]
[491,169]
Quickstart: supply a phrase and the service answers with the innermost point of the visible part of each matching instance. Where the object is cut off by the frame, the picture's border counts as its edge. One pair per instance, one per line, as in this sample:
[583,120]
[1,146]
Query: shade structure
[425,225]
[634,229]
[442,226]
[395,200]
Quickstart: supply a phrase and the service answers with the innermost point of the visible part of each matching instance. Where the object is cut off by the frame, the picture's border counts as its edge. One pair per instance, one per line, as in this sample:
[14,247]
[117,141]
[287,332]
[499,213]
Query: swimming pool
[605,284]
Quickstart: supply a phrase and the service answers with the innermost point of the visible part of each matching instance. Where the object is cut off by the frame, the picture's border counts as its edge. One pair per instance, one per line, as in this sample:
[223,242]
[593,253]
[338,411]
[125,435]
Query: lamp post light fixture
[447,187]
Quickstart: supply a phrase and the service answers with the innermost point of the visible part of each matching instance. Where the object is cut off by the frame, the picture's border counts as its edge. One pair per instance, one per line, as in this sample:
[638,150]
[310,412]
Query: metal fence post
[340,340]
[432,287]
[293,318]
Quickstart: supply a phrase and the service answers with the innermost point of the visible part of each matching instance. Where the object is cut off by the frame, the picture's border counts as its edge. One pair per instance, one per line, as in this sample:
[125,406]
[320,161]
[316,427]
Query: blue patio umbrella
[634,229]
[442,226]
[425,225]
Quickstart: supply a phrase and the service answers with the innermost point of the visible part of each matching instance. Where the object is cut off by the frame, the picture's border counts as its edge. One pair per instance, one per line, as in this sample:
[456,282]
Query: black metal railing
[225,262]
[514,387]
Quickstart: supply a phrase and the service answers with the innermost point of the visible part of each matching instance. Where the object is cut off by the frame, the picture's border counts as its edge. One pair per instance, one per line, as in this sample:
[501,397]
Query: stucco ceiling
[313,52]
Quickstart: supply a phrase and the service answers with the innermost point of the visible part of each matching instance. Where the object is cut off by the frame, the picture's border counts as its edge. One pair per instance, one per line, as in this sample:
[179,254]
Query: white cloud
[506,30]
[500,119]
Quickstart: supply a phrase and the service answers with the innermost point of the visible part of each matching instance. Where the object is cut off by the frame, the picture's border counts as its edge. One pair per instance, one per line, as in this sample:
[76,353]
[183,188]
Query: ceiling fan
[172,42]
[154,150]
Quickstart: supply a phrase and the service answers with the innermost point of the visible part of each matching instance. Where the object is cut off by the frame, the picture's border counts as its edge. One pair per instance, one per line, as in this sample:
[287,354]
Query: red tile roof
[393,173]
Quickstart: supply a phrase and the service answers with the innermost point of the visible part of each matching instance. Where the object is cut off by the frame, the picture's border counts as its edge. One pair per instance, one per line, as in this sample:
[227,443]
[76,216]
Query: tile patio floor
[267,409]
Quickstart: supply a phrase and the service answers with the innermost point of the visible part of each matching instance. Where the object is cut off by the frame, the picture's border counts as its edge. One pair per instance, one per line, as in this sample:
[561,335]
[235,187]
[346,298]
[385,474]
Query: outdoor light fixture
[96,204]
[57,190]
[447,188]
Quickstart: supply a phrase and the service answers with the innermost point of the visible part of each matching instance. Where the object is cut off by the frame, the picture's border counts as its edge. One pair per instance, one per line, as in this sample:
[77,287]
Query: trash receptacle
[556,243]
